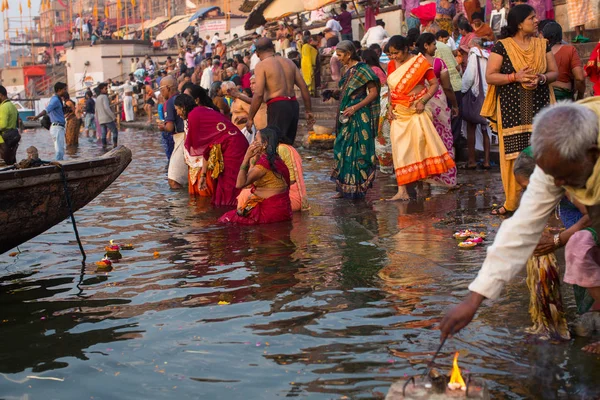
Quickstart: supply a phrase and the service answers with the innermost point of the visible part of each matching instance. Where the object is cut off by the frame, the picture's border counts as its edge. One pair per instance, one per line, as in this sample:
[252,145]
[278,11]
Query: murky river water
[338,304]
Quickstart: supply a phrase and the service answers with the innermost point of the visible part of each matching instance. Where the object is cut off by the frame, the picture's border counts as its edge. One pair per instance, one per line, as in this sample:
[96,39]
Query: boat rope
[70,206]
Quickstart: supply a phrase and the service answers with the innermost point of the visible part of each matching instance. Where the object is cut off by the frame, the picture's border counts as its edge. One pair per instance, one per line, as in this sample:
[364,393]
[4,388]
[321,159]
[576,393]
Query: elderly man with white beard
[566,149]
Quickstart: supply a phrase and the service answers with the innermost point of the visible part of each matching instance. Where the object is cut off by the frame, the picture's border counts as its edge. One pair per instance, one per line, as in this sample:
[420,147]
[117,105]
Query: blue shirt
[171,115]
[54,109]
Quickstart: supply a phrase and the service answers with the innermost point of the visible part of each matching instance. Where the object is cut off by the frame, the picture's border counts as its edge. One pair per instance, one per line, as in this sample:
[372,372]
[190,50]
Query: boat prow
[33,200]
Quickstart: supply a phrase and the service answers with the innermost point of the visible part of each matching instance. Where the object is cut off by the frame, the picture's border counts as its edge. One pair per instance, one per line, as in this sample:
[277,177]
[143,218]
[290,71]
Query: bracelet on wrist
[244,167]
[557,242]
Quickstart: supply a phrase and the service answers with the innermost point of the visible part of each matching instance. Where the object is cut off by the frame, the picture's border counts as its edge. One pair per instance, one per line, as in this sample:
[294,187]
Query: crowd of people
[229,125]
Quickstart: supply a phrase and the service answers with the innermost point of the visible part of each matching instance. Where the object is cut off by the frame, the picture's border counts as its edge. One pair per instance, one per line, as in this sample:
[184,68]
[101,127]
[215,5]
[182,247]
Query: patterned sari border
[424,169]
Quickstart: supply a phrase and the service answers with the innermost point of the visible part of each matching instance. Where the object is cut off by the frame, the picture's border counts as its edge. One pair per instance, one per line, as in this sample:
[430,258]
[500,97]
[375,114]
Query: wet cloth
[511,108]
[212,136]
[355,162]
[284,113]
[257,210]
[545,302]
[293,161]
[417,148]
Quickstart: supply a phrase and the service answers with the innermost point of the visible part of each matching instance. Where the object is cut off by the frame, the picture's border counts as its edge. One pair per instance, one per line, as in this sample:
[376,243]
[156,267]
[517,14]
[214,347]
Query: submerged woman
[418,150]
[354,147]
[519,70]
[214,148]
[293,162]
[270,179]
[441,114]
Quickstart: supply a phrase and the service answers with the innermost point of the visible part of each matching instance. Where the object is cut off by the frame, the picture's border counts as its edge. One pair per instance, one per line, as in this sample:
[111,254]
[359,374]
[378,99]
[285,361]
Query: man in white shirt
[215,39]
[566,150]
[334,26]
[207,76]
[375,35]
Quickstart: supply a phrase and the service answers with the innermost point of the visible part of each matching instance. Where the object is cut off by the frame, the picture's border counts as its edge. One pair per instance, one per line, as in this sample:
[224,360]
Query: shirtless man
[275,80]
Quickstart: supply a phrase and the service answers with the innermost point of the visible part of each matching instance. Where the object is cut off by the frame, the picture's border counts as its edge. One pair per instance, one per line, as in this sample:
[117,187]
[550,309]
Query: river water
[337,304]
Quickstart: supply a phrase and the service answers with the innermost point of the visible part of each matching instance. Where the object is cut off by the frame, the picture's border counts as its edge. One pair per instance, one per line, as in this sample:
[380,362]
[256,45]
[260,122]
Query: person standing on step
[275,81]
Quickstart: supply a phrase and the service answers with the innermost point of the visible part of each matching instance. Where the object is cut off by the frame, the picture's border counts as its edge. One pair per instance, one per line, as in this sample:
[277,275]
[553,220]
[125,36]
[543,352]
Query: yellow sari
[308,63]
[417,149]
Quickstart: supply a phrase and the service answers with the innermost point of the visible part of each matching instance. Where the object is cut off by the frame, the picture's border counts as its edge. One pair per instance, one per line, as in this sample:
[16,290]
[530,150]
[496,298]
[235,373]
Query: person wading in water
[275,80]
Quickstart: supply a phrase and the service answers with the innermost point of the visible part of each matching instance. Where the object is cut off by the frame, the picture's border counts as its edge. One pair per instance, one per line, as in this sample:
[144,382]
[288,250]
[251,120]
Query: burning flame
[456,380]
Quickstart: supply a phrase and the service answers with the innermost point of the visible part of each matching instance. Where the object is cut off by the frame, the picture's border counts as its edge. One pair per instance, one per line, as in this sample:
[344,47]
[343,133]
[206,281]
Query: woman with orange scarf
[417,149]
[519,70]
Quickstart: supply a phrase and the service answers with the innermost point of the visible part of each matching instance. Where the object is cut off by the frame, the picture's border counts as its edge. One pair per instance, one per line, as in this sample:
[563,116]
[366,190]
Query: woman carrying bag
[474,89]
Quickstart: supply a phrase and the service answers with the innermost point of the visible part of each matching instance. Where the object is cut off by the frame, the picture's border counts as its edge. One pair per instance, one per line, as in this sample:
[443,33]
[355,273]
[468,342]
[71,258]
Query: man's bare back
[279,76]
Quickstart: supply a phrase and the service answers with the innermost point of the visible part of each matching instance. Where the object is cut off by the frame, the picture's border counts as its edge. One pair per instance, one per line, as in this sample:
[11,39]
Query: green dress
[354,147]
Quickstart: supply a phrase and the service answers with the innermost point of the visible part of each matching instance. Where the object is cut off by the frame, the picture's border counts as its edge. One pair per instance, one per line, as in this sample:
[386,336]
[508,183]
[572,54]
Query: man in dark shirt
[345,20]
[89,118]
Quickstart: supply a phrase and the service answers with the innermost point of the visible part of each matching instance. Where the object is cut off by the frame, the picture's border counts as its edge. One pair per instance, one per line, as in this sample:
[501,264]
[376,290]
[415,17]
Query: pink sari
[298,197]
[256,210]
[215,138]
[441,117]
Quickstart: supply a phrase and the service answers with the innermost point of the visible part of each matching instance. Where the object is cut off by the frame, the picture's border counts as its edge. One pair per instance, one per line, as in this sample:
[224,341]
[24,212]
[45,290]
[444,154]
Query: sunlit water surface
[340,302]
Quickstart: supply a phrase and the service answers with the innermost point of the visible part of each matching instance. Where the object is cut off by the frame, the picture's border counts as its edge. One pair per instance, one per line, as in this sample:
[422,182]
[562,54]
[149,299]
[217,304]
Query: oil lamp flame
[456,380]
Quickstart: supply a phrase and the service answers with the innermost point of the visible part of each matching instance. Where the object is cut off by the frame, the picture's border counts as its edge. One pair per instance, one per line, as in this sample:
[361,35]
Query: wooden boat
[33,200]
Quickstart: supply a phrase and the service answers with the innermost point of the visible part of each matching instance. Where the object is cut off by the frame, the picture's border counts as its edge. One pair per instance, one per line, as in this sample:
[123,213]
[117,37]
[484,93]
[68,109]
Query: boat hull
[33,200]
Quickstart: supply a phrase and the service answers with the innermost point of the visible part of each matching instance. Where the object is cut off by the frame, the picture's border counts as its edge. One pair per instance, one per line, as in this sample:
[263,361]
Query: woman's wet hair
[398,42]
[186,102]
[270,135]
[516,16]
[200,95]
[553,32]
[346,46]
[425,39]
[524,165]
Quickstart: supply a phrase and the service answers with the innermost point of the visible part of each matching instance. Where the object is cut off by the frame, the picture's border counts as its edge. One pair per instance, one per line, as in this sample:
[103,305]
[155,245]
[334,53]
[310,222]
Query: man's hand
[249,125]
[310,118]
[545,246]
[460,316]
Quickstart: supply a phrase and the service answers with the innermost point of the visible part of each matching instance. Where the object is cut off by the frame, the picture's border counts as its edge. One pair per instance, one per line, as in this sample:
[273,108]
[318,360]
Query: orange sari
[417,149]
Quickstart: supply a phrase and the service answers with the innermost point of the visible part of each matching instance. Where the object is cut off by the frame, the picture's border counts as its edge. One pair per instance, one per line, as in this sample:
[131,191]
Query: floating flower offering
[467,244]
[104,263]
[128,246]
[463,234]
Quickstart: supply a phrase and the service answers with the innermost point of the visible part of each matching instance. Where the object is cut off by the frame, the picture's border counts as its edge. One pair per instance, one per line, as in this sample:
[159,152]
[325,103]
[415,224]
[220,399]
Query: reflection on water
[340,302]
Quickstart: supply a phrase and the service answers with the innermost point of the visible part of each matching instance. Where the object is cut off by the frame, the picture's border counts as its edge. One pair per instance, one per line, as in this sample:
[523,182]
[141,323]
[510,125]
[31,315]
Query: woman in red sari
[270,179]
[216,148]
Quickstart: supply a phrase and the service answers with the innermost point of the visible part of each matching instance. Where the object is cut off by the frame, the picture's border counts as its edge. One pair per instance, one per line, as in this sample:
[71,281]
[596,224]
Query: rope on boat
[69,204]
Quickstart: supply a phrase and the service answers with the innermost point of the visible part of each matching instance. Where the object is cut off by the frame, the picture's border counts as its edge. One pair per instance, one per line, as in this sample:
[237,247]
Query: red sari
[214,137]
[257,210]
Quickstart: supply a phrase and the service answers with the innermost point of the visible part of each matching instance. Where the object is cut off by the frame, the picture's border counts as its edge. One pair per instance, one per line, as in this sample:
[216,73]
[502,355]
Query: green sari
[354,147]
